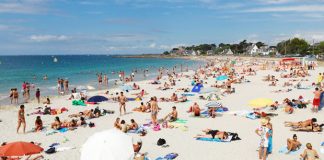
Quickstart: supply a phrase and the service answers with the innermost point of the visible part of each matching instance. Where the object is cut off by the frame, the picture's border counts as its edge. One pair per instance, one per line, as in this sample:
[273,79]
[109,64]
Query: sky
[151,26]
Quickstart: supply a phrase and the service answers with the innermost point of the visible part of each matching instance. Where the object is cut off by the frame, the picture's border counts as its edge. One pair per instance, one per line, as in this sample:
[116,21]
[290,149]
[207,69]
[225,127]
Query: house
[190,52]
[210,52]
[264,50]
[228,52]
[252,50]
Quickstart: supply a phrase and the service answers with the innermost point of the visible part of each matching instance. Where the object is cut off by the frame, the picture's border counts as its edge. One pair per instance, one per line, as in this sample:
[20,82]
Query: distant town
[293,47]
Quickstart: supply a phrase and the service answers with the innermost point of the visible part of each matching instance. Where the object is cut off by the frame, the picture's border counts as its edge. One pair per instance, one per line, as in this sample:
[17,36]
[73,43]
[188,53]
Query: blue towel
[62,130]
[210,139]
[284,149]
[251,116]
[322,144]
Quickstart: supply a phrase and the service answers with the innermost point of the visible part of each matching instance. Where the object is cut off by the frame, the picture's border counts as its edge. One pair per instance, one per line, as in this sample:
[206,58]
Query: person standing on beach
[154,110]
[263,132]
[105,80]
[122,103]
[15,95]
[62,86]
[66,86]
[37,94]
[11,95]
[58,85]
[269,125]
[21,118]
[316,100]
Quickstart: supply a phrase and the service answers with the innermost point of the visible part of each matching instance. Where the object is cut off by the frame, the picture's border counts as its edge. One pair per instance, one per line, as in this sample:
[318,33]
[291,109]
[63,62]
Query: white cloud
[152,45]
[47,38]
[300,8]
[23,6]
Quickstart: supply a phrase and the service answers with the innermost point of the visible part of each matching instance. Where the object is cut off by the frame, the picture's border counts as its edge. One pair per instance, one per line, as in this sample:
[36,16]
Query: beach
[181,140]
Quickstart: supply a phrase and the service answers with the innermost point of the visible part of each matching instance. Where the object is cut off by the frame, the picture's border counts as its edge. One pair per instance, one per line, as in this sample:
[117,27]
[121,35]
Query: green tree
[166,53]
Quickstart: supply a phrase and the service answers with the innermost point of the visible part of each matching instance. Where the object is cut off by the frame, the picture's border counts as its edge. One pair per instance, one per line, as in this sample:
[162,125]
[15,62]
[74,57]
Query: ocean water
[80,70]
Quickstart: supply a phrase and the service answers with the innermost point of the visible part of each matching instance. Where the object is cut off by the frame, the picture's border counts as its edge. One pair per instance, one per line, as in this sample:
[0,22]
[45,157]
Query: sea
[80,70]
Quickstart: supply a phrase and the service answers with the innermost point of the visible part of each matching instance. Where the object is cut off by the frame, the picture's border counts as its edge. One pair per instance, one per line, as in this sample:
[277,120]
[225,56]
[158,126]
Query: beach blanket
[188,94]
[178,125]
[201,116]
[168,156]
[78,103]
[215,139]
[284,150]
[251,116]
[182,121]
[321,101]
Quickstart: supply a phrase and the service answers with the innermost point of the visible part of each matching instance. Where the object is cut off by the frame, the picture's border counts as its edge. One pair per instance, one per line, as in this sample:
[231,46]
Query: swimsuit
[316,102]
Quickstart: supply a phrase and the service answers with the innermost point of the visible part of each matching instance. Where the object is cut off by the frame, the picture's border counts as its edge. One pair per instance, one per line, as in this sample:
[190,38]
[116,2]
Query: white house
[210,52]
[228,52]
[253,49]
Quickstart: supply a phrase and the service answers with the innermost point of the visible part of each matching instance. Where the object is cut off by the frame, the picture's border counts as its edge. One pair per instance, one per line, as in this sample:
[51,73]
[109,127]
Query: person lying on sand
[287,84]
[86,113]
[293,144]
[314,128]
[182,99]
[173,116]
[183,89]
[301,124]
[166,86]
[209,133]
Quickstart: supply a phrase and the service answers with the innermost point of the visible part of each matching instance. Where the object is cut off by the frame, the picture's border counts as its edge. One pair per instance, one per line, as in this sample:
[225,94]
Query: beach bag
[156,128]
[161,142]
[91,125]
[50,150]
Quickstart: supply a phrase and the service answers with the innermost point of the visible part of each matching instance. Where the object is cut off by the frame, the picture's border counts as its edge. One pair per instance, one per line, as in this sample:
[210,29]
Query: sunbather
[309,153]
[301,124]
[133,125]
[293,144]
[209,133]
[314,128]
[195,109]
[57,123]
[38,124]
[173,116]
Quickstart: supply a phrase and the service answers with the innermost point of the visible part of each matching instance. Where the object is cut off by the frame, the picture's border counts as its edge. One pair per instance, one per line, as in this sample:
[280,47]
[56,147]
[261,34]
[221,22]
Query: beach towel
[215,139]
[50,132]
[188,94]
[78,103]
[284,150]
[251,116]
[322,150]
[201,116]
[61,149]
[169,156]
[321,101]
[178,125]
[62,130]
[182,121]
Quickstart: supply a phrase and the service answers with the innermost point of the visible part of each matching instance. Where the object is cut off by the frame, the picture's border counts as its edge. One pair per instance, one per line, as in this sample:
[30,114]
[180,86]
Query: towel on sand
[215,139]
[284,149]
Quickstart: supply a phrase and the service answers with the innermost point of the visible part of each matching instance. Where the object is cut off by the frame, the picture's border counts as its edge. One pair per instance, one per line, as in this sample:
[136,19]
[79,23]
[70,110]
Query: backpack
[161,142]
[50,150]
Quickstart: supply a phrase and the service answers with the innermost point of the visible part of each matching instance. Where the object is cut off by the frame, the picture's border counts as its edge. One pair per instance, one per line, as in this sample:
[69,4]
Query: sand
[179,141]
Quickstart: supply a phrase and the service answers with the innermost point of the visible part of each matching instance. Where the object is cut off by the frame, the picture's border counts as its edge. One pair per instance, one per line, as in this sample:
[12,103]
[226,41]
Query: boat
[55,60]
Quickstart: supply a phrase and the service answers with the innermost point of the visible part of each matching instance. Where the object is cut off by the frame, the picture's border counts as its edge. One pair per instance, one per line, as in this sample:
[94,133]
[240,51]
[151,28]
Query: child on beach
[316,100]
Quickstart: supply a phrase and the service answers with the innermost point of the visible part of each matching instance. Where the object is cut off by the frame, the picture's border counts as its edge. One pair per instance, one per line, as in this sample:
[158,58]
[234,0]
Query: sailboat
[55,60]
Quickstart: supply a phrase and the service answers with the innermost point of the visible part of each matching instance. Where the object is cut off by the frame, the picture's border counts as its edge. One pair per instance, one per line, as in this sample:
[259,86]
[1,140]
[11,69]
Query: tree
[293,46]
[260,44]
[320,48]
[166,53]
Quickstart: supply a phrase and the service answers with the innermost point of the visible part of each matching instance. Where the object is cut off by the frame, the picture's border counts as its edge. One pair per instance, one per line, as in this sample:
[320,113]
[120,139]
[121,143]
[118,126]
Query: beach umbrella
[111,144]
[213,104]
[260,102]
[222,78]
[19,149]
[97,99]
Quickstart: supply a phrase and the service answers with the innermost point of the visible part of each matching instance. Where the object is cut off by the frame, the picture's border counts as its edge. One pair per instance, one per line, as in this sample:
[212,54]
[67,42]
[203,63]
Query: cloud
[300,8]
[23,6]
[124,21]
[47,38]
